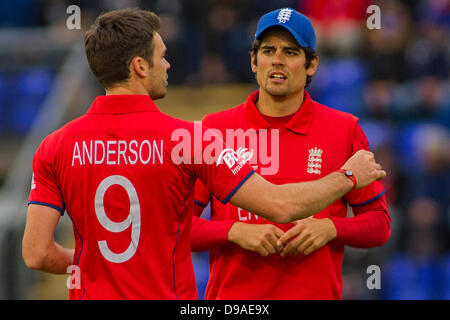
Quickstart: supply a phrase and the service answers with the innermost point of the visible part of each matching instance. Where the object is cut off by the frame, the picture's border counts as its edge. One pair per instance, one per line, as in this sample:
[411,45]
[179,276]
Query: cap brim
[296,36]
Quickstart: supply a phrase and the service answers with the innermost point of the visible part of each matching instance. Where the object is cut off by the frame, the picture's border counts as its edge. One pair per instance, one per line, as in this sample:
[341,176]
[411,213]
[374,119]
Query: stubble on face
[158,80]
[280,70]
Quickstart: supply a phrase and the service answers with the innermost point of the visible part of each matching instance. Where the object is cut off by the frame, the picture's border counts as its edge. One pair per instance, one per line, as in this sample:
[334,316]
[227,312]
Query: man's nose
[277,58]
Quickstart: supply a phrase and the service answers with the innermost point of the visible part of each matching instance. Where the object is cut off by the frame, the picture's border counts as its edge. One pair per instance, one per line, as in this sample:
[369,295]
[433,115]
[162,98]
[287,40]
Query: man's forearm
[293,201]
[307,198]
[39,249]
[370,227]
[286,203]
[56,260]
[206,234]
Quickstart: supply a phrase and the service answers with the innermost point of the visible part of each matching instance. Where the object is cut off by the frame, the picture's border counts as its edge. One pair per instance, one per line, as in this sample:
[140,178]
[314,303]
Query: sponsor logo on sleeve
[235,160]
[33,184]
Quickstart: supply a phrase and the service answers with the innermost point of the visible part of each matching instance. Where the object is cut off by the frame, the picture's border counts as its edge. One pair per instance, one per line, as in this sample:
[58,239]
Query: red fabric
[278,120]
[315,129]
[370,227]
[208,235]
[116,163]
[202,197]
[329,11]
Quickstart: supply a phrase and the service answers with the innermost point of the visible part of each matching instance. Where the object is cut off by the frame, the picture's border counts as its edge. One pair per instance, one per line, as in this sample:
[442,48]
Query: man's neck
[274,106]
[126,89]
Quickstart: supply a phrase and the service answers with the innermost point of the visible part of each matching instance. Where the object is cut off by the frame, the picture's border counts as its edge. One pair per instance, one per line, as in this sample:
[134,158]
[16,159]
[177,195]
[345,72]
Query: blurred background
[395,79]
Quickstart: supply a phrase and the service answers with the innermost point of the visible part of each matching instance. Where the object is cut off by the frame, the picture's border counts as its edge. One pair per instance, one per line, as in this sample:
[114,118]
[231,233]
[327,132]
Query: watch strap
[350,176]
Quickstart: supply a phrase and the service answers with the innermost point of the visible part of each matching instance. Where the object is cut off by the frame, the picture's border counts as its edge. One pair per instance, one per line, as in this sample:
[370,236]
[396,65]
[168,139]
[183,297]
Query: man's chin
[278,92]
[159,95]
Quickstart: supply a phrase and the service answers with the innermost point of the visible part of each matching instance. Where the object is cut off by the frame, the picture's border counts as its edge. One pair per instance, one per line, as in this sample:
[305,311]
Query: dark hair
[310,55]
[115,38]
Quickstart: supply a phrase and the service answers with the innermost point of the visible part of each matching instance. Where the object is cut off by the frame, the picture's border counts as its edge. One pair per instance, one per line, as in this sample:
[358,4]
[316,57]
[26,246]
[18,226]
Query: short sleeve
[202,154]
[44,188]
[202,195]
[222,170]
[222,179]
[373,191]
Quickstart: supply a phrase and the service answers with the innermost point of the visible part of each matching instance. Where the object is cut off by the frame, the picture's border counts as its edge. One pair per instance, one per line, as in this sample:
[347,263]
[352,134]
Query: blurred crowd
[395,79]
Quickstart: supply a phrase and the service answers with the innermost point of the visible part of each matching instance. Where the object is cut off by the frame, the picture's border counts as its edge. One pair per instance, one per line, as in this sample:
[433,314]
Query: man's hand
[308,235]
[261,238]
[364,168]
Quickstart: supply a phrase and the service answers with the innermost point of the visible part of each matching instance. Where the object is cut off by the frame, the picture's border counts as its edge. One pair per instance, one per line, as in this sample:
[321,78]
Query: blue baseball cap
[296,23]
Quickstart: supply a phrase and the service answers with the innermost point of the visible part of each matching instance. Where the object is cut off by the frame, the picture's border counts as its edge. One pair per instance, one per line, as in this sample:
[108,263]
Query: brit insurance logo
[314,161]
[33,183]
[235,160]
[284,15]
[260,149]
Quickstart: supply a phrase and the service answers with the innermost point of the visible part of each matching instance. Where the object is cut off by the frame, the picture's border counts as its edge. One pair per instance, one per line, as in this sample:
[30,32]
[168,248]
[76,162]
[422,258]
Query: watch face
[348,172]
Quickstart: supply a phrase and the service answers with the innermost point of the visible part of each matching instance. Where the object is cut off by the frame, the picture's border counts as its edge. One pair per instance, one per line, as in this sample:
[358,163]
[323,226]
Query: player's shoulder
[334,115]
[171,123]
[58,134]
[225,117]
[54,140]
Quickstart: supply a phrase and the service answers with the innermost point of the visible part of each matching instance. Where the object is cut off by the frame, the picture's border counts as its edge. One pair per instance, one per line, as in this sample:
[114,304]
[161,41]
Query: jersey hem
[61,210]
[201,204]
[237,187]
[368,201]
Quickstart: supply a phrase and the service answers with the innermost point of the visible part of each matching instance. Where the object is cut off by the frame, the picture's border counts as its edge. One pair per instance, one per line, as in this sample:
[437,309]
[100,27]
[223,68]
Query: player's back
[127,200]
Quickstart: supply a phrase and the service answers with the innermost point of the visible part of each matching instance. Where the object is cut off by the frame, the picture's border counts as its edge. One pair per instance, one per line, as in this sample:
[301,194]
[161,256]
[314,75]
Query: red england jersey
[314,142]
[125,173]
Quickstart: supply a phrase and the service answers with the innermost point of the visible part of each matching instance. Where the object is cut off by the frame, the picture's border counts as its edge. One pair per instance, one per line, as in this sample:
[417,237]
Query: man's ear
[313,66]
[252,62]
[139,66]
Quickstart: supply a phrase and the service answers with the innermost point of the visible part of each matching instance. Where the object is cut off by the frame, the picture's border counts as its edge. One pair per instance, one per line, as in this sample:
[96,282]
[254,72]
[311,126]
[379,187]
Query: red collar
[300,122]
[117,104]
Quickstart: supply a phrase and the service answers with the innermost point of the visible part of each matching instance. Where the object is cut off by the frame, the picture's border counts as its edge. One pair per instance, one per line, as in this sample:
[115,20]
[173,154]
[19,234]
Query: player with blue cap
[252,258]
[296,23]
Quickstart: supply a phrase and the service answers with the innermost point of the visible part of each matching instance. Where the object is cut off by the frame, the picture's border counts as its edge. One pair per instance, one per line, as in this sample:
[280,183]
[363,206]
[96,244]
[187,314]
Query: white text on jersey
[117,152]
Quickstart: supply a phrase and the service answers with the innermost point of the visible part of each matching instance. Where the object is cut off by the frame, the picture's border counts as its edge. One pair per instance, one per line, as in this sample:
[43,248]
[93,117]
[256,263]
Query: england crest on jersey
[314,160]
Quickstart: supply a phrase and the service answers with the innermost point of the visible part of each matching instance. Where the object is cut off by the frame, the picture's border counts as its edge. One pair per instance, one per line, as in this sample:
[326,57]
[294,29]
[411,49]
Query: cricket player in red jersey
[251,258]
[116,174]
